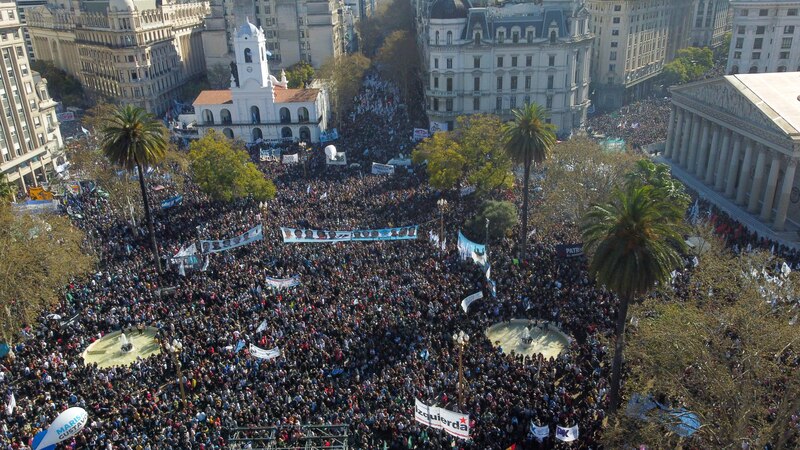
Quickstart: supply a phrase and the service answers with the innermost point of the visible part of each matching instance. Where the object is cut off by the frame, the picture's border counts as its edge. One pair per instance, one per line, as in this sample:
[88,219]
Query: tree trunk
[619,346]
[523,238]
[148,217]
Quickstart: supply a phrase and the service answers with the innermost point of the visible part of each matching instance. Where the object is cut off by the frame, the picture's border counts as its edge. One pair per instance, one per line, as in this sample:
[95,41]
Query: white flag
[262,327]
[567,434]
[12,403]
[539,433]
[785,269]
[695,261]
[469,299]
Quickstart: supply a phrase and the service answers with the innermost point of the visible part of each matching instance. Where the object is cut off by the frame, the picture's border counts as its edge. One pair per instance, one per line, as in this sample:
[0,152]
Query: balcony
[438,93]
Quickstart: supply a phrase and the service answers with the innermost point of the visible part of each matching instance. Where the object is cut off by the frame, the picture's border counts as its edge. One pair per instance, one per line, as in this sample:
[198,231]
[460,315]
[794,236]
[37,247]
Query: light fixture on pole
[442,203]
[174,349]
[461,339]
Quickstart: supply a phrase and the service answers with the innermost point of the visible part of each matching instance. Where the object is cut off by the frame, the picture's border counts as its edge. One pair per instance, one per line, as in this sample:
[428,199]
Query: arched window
[225,117]
[255,114]
[248,55]
[305,134]
[754,69]
[553,36]
[477,37]
[436,42]
[286,116]
[228,133]
[286,132]
[782,69]
[449,38]
[257,134]
[302,114]
[208,117]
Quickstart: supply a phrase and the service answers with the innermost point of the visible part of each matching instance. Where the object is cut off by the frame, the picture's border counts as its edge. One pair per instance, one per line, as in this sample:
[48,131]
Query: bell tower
[251,56]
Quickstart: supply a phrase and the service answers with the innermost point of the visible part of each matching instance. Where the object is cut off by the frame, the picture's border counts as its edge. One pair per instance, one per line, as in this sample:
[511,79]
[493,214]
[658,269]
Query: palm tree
[634,241]
[528,139]
[130,137]
[7,189]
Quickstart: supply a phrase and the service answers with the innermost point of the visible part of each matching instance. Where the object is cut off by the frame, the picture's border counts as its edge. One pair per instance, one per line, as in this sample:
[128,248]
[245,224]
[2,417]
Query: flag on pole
[262,327]
[12,403]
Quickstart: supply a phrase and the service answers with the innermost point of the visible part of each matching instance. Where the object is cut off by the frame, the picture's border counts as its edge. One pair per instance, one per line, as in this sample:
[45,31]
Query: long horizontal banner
[569,250]
[299,235]
[453,423]
[382,169]
[281,283]
[170,202]
[254,234]
[468,300]
[261,353]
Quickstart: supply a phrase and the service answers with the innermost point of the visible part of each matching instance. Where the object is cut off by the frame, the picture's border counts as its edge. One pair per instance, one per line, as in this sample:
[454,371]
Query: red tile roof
[221,97]
[283,95]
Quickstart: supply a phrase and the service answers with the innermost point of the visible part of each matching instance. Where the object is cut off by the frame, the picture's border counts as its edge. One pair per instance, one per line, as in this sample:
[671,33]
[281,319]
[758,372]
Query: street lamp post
[174,350]
[461,339]
[442,203]
[303,146]
[486,239]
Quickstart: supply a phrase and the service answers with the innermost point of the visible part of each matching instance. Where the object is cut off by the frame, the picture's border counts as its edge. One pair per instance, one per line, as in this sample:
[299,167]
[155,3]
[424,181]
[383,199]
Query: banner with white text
[299,235]
[382,169]
[254,234]
[261,353]
[283,283]
[453,423]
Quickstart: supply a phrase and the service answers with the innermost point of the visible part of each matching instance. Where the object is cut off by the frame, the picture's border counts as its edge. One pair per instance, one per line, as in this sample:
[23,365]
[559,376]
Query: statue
[125,345]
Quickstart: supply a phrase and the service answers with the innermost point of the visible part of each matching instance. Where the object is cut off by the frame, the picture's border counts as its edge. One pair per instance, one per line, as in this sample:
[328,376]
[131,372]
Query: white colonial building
[492,59]
[258,105]
[736,140]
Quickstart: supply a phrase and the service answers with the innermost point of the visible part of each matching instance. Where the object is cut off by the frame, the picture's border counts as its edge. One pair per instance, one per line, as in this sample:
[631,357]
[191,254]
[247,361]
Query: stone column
[733,166]
[744,173]
[22,179]
[724,159]
[786,193]
[769,189]
[680,158]
[694,142]
[713,157]
[758,180]
[671,130]
[698,163]
[33,173]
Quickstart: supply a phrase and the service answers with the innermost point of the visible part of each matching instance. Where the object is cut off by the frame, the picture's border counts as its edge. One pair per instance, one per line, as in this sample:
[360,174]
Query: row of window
[758,43]
[255,115]
[530,34]
[754,69]
[757,55]
[514,61]
[476,83]
[501,103]
[764,12]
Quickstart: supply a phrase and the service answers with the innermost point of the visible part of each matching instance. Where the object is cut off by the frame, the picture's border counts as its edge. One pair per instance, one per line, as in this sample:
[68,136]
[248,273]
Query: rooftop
[282,95]
[776,94]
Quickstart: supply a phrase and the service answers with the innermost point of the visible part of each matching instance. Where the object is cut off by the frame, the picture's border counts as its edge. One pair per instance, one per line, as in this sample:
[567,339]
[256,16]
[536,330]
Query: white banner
[281,283]
[382,169]
[420,134]
[254,234]
[291,159]
[259,352]
[466,190]
[468,301]
[567,434]
[539,433]
[262,326]
[453,423]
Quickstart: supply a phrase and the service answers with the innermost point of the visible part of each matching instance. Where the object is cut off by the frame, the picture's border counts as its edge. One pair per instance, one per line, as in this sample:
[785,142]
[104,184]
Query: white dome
[247,28]
[121,5]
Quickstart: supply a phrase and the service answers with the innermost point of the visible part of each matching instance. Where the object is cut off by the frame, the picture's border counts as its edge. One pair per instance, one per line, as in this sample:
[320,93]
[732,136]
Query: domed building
[492,59]
[260,107]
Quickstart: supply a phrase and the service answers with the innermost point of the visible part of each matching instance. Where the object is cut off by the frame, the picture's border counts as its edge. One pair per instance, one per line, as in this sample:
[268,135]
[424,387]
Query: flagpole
[461,339]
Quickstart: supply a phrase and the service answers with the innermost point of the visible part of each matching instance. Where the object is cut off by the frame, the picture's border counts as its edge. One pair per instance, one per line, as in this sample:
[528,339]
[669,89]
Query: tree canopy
[299,75]
[342,76]
[226,173]
[63,86]
[38,256]
[502,219]
[398,61]
[470,155]
[690,64]
[390,16]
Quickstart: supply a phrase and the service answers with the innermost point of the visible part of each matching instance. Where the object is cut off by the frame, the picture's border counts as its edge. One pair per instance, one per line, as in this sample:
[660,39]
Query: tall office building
[711,22]
[492,59]
[295,30]
[764,34]
[22,7]
[137,52]
[28,125]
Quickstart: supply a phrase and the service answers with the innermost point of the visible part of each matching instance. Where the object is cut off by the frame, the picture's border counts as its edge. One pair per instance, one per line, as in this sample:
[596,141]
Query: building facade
[301,30]
[711,22]
[260,107]
[632,41]
[134,52]
[22,6]
[765,36]
[496,58]
[29,133]
[737,140]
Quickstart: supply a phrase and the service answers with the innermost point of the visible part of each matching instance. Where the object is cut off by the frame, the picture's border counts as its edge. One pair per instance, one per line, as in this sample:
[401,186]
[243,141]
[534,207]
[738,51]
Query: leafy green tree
[300,75]
[132,138]
[502,217]
[646,172]
[579,173]
[469,154]
[398,60]
[38,256]
[226,173]
[64,86]
[674,73]
[634,242]
[528,139]
[690,64]
[390,16]
[7,189]
[219,76]
[342,76]
[714,346]
[721,51]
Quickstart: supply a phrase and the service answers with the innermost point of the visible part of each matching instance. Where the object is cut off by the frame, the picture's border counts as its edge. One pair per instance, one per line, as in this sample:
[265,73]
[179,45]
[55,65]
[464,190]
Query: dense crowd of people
[640,123]
[366,332]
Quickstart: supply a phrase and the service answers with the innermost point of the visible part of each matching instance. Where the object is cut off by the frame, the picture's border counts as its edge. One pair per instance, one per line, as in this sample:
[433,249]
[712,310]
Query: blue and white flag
[282,283]
[539,433]
[567,434]
[254,234]
[299,235]
[170,202]
[471,250]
